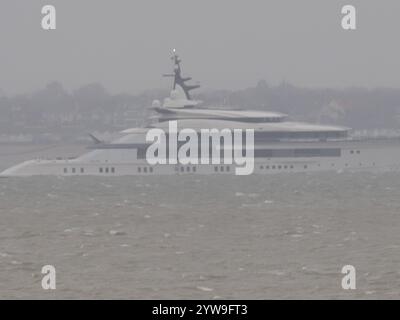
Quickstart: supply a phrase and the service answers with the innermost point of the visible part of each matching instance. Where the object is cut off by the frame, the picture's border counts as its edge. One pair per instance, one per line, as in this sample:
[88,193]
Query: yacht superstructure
[280,145]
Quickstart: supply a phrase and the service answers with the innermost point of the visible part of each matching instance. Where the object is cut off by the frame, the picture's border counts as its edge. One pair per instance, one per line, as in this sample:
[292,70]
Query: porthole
[106,170]
[101,170]
[273,167]
[145,169]
[351,151]
[112,170]
[279,167]
[216,169]
[305,166]
[151,169]
[194,169]
[261,167]
[285,167]
[358,151]
[73,170]
[228,168]
[182,169]
[65,170]
[187,169]
[139,169]
[222,169]
[291,167]
[82,170]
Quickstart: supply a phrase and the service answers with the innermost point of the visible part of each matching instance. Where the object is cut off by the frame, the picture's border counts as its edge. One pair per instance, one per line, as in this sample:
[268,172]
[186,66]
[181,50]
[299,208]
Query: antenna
[178,80]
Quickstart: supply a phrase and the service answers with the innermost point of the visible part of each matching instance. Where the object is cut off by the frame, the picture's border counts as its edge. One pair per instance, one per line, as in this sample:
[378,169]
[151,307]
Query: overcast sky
[225,44]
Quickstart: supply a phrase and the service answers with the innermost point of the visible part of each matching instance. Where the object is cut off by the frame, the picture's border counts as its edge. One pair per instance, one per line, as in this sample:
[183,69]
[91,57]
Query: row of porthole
[187,169]
[222,168]
[82,170]
[355,151]
[279,167]
[145,169]
[107,170]
[73,170]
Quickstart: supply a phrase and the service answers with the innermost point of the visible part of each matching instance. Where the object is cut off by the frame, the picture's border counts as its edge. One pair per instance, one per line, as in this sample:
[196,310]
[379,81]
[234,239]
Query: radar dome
[156,104]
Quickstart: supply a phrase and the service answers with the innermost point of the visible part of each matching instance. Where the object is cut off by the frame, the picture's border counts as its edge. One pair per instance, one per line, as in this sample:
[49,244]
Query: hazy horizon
[125,46]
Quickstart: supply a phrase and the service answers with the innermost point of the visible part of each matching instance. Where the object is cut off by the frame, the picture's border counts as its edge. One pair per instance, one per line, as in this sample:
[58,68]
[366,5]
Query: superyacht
[280,145]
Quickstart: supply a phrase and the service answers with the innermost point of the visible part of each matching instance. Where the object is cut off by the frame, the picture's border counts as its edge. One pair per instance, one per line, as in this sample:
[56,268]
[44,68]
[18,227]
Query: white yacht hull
[367,155]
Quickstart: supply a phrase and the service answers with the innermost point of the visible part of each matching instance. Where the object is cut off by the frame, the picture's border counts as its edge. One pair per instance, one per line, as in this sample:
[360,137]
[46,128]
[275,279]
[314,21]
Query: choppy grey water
[206,237]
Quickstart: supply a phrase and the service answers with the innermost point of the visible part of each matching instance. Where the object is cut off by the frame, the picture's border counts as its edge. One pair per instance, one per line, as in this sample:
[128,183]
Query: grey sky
[125,44]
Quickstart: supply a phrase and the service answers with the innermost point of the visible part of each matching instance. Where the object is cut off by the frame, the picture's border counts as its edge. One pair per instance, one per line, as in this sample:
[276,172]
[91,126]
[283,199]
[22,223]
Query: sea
[283,236]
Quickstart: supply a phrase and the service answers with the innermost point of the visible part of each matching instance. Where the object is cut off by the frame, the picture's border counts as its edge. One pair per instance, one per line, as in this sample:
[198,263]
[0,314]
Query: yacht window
[194,169]
[151,169]
[65,170]
[261,167]
[182,169]
[188,169]
[228,168]
[216,169]
[305,166]
[82,170]
[291,167]
[222,169]
[279,167]
[358,151]
[145,169]
[352,151]
[273,167]
[73,170]
[285,167]
[106,170]
[112,169]
[139,169]
[101,170]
